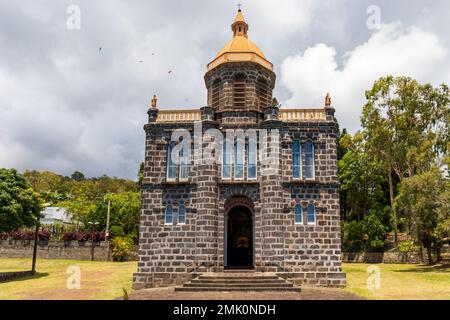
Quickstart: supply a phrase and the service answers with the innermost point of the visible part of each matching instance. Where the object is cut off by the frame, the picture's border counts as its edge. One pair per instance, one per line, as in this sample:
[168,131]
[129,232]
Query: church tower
[240,78]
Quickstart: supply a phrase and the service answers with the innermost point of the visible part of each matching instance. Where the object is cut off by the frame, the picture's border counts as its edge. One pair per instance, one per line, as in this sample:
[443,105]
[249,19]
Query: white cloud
[65,106]
[391,50]
[280,17]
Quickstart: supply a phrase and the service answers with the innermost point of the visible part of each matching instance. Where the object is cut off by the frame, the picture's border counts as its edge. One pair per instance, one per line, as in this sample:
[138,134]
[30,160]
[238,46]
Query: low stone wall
[381,257]
[72,250]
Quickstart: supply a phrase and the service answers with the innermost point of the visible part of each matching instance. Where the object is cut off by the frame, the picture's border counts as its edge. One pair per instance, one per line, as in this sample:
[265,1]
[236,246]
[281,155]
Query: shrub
[99,236]
[15,235]
[70,236]
[121,248]
[408,246]
[374,231]
[377,245]
[43,235]
[19,235]
[82,236]
[352,236]
[27,235]
[366,235]
[117,231]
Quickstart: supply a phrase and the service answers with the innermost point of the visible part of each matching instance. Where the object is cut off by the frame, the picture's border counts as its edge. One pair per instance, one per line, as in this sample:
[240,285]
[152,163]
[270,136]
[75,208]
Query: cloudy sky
[65,105]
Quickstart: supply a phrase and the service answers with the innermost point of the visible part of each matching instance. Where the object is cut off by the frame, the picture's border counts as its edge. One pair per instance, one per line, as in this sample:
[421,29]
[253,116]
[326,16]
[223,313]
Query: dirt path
[306,294]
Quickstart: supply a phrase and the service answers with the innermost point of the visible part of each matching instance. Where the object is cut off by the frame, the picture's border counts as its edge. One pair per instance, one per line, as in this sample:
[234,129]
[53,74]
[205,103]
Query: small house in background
[52,215]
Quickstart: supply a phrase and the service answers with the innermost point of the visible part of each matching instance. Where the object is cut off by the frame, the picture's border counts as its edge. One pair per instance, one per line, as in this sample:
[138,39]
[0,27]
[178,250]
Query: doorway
[239,238]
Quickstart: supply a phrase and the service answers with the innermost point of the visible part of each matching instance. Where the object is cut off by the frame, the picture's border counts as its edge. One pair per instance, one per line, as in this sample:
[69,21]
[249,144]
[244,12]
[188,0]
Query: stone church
[241,213]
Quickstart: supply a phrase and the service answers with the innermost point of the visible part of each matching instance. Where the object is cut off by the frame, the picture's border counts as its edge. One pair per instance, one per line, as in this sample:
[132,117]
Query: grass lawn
[105,280]
[401,281]
[99,280]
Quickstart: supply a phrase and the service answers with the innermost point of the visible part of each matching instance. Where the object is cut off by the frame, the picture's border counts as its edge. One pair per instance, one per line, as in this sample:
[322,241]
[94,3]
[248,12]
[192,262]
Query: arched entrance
[239,234]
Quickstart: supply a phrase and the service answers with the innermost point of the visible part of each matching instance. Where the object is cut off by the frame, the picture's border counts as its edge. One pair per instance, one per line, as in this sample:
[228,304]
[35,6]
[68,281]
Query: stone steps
[217,281]
[238,285]
[227,289]
[238,281]
[237,278]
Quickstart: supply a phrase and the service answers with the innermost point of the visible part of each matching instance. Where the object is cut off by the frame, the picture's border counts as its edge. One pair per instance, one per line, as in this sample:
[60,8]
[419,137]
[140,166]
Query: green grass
[401,281]
[106,280]
[99,280]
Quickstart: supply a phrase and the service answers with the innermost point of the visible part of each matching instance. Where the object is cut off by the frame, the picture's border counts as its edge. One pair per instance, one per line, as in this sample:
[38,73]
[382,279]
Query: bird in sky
[169,72]
[99,49]
[141,61]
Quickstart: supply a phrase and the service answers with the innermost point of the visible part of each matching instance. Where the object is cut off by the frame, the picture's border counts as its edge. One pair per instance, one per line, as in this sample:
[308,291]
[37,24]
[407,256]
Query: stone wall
[224,75]
[54,250]
[309,254]
[381,257]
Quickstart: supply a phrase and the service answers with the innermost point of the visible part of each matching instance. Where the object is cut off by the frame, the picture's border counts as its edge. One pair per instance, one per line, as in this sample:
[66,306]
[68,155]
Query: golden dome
[240,44]
[240,48]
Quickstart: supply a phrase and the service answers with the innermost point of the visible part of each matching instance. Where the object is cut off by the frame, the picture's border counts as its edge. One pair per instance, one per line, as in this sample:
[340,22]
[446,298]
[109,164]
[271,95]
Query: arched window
[296,160]
[311,214]
[171,167]
[181,214]
[226,160]
[169,215]
[252,157]
[239,161]
[239,91]
[298,215]
[309,160]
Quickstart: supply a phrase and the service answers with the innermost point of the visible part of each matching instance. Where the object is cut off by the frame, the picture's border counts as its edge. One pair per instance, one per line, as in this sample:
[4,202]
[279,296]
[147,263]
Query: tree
[423,200]
[78,176]
[361,178]
[124,216]
[43,181]
[51,186]
[342,149]
[19,204]
[406,126]
[368,234]
[141,174]
[275,102]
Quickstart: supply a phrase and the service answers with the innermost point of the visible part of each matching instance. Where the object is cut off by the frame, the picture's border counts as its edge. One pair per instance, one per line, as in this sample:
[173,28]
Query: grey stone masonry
[303,246]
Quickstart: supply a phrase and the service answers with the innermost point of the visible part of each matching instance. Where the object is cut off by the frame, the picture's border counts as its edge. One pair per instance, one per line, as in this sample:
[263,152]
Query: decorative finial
[239,7]
[327,100]
[154,101]
[239,26]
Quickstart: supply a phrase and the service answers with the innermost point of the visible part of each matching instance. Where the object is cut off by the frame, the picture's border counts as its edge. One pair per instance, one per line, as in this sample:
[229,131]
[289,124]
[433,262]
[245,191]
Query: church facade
[240,183]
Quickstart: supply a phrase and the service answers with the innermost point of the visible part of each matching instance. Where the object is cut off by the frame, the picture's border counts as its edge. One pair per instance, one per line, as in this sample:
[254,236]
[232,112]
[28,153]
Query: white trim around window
[182,216]
[309,157]
[298,214]
[296,160]
[171,169]
[252,159]
[168,215]
[239,159]
[226,161]
[311,216]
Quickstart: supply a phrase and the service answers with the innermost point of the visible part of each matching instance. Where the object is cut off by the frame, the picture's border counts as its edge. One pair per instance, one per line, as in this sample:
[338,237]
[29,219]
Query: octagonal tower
[240,79]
